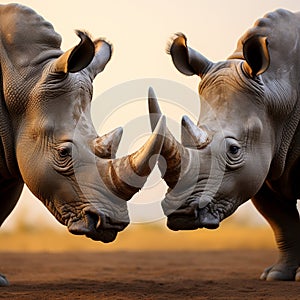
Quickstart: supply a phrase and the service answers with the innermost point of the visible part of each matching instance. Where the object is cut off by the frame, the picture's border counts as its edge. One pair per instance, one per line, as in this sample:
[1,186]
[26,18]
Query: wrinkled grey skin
[48,140]
[247,140]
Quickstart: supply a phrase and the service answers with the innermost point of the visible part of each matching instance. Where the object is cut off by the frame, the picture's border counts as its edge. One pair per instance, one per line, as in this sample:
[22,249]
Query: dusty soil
[230,274]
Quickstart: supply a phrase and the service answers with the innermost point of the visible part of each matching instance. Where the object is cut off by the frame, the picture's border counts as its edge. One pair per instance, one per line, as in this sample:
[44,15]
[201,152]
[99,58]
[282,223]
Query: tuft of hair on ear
[172,39]
[100,40]
[82,32]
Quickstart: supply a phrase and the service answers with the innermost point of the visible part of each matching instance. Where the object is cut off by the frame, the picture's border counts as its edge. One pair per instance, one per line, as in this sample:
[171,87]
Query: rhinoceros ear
[187,60]
[102,56]
[256,54]
[77,58]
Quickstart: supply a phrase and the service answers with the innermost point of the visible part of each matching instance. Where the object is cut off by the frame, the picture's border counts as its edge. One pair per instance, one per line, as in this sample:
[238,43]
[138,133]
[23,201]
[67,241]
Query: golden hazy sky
[139,31]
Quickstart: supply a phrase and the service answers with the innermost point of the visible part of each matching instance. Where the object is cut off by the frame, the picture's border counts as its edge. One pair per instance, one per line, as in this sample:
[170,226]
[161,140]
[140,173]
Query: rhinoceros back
[282,29]
[25,35]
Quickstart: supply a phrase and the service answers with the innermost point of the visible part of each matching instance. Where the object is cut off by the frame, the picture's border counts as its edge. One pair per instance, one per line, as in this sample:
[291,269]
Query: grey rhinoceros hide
[247,140]
[48,140]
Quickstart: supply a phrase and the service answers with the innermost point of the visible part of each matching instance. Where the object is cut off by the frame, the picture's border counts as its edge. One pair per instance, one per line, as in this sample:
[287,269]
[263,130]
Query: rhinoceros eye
[234,149]
[62,159]
[234,155]
[64,152]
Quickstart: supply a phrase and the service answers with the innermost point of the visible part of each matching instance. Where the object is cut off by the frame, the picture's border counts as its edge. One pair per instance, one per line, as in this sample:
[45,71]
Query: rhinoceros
[48,140]
[246,143]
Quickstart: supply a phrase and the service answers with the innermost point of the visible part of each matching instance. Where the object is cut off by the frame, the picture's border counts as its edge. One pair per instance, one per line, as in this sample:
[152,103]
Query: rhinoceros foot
[281,272]
[191,217]
[3,280]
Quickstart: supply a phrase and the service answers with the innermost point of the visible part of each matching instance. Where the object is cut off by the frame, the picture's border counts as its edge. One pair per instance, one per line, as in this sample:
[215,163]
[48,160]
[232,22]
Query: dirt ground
[230,274]
[145,262]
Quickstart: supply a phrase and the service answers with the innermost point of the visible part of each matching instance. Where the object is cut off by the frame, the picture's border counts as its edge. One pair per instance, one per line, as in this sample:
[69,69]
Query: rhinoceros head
[223,160]
[60,156]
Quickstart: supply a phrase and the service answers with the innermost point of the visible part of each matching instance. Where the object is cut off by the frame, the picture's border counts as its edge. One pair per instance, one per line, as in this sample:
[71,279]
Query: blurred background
[139,31]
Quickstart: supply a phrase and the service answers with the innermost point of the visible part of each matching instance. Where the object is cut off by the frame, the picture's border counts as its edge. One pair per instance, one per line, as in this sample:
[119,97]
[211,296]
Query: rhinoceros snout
[106,223]
[97,226]
[191,218]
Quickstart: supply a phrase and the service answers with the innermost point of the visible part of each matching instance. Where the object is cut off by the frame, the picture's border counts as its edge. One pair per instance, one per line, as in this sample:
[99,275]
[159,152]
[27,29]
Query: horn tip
[151,93]
[119,130]
[154,109]
[152,102]
[185,120]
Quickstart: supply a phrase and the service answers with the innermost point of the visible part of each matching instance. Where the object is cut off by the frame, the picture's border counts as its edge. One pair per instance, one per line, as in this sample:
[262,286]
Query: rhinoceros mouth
[192,217]
[97,226]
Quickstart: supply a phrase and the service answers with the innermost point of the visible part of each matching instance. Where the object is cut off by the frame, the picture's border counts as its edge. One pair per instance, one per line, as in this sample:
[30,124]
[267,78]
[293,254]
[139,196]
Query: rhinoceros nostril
[208,219]
[110,223]
[99,221]
[93,220]
[189,210]
[78,227]
[117,224]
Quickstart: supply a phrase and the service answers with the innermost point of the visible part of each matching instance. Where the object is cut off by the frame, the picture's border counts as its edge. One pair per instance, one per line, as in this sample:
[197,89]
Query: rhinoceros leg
[10,191]
[283,216]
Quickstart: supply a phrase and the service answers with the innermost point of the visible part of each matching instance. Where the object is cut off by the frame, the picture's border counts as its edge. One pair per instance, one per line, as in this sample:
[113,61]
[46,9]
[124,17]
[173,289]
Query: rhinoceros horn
[187,60]
[126,175]
[193,136]
[171,151]
[106,146]
[177,156]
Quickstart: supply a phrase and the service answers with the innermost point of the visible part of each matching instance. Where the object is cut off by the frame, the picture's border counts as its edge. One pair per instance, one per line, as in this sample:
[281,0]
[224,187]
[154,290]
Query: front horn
[125,176]
[176,156]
